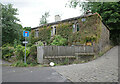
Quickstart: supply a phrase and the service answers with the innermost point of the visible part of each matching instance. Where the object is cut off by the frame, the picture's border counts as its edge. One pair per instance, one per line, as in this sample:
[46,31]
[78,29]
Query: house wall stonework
[76,30]
[104,39]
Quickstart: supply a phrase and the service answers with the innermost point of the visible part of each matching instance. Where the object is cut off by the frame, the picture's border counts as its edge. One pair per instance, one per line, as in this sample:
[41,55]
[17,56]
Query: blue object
[25,33]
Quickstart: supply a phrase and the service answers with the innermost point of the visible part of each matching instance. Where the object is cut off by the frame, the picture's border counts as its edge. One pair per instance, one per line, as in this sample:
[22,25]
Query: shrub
[20,52]
[29,45]
[40,43]
[44,34]
[33,55]
[59,41]
[7,52]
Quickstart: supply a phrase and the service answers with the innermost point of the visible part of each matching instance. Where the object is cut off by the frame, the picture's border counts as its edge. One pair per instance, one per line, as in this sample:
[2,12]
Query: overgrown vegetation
[87,32]
[20,52]
[12,33]
[7,52]
[109,11]
[58,40]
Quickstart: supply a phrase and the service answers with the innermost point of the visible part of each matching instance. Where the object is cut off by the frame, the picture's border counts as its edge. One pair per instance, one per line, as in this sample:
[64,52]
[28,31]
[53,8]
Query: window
[77,25]
[83,19]
[36,33]
[53,31]
[74,28]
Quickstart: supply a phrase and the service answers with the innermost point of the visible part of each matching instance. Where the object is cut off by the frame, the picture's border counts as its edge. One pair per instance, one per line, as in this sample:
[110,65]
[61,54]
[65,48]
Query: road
[31,74]
[103,69]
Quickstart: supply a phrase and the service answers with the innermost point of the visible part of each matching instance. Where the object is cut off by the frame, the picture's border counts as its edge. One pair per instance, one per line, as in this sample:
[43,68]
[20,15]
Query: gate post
[40,53]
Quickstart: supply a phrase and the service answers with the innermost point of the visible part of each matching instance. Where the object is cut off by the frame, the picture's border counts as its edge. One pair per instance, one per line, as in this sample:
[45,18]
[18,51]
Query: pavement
[103,69]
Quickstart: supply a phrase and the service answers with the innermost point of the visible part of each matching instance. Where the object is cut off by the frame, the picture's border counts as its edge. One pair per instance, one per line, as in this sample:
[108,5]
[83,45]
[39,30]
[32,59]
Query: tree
[43,20]
[27,29]
[11,30]
[109,11]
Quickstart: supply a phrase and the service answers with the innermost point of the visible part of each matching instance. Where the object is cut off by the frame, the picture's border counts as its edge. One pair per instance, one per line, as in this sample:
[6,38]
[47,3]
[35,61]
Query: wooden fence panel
[66,50]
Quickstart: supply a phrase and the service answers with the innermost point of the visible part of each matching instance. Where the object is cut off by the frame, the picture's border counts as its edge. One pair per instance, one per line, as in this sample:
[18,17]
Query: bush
[33,55]
[7,52]
[20,52]
[29,45]
[59,41]
[40,43]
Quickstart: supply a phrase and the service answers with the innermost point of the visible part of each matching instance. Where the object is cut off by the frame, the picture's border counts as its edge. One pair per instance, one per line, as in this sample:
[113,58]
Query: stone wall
[104,39]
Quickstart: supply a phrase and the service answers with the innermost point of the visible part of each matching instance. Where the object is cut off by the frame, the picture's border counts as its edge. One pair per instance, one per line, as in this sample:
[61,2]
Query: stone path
[103,69]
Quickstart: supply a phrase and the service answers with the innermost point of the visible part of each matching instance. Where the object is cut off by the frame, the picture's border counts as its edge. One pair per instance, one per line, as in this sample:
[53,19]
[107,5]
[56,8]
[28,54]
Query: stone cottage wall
[104,39]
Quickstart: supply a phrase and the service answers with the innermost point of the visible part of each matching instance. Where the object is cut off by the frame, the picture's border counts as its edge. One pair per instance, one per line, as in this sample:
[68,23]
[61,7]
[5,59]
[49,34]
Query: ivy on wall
[89,30]
[44,34]
[65,30]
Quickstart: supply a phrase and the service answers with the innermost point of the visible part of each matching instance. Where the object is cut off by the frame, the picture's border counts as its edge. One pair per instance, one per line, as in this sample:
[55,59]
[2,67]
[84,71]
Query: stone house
[87,29]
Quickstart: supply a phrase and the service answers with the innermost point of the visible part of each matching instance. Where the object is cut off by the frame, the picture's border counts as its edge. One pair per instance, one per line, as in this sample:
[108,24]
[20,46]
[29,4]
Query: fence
[56,51]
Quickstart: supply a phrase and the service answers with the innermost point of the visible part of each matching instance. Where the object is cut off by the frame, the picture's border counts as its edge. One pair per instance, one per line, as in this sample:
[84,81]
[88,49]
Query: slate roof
[66,20]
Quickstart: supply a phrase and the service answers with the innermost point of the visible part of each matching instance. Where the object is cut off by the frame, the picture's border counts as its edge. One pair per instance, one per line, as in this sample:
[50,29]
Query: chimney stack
[57,18]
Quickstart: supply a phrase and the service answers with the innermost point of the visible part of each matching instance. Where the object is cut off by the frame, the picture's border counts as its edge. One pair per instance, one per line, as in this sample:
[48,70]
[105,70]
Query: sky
[30,11]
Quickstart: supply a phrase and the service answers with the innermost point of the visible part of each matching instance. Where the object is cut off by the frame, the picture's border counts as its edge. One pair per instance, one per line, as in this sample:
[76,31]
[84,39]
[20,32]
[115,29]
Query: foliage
[27,28]
[29,44]
[66,61]
[90,38]
[16,42]
[11,30]
[33,51]
[7,52]
[85,5]
[58,40]
[115,36]
[19,64]
[109,11]
[20,52]
[40,43]
[33,55]
[87,31]
[44,34]
[43,20]
[65,30]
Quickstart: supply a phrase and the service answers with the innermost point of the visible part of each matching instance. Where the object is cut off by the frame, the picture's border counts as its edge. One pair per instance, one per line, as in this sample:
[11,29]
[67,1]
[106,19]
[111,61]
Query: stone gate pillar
[40,53]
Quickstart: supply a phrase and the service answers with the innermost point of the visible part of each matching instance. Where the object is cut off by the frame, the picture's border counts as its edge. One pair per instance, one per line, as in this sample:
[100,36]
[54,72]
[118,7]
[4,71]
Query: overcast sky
[30,11]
